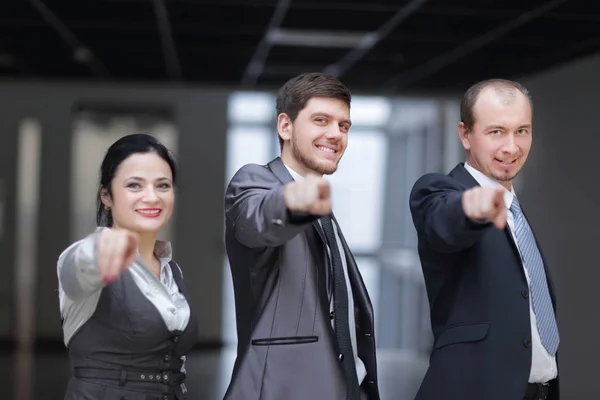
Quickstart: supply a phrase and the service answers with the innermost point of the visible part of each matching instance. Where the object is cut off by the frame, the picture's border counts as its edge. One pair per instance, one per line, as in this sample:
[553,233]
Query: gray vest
[125,351]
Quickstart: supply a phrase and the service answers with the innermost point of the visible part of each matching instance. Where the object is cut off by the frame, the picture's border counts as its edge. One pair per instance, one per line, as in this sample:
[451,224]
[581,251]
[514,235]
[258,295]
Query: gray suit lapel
[315,237]
[280,171]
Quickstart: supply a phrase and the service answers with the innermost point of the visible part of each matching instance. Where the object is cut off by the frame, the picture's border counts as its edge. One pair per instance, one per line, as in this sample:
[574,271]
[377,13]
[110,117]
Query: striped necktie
[540,295]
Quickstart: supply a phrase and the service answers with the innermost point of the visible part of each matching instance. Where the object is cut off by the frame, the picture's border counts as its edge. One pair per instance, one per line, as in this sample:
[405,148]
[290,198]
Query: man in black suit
[490,294]
[304,319]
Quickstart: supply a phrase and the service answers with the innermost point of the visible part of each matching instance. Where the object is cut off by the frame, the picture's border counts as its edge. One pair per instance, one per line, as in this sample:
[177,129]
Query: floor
[209,371]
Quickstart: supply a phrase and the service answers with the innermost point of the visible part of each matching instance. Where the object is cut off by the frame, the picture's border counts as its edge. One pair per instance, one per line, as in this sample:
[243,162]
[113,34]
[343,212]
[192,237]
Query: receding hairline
[504,94]
[507,91]
[500,86]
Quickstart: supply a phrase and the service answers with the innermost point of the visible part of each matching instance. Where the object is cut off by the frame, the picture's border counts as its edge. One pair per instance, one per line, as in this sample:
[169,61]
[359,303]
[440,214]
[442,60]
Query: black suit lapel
[461,174]
[359,290]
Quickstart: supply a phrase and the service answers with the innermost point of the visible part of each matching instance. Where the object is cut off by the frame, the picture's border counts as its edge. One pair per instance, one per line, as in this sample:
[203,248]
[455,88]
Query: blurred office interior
[202,76]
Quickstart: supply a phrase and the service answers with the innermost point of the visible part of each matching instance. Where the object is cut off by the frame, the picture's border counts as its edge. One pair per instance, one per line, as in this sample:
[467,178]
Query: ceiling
[389,45]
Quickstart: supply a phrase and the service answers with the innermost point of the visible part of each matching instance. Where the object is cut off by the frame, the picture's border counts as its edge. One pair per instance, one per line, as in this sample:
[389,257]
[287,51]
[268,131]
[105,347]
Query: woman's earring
[107,208]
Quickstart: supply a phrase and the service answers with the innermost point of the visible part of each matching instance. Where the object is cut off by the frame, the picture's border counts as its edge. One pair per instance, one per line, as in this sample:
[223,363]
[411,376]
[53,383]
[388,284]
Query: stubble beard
[505,178]
[311,164]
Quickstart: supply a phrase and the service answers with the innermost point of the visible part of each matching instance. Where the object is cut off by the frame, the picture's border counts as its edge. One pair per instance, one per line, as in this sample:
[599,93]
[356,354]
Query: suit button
[341,357]
[175,339]
[331,315]
[527,343]
[525,294]
[167,358]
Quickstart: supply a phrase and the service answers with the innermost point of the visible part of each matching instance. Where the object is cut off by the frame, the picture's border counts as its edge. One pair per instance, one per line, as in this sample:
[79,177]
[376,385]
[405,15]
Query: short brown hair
[296,92]
[470,97]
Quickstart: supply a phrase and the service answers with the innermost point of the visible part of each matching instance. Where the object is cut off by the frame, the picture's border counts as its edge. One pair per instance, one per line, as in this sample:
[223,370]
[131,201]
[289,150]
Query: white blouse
[80,286]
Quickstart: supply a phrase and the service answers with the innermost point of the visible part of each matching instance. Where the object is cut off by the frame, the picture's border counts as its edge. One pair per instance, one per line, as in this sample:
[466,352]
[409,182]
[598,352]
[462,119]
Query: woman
[127,320]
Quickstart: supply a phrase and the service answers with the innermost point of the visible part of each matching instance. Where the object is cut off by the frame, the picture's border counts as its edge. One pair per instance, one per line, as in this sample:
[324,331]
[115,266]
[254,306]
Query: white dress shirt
[361,370]
[543,364]
[80,286]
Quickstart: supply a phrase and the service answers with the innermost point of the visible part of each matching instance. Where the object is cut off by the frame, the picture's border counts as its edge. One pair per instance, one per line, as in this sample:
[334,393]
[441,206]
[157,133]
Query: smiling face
[499,141]
[316,140]
[142,197]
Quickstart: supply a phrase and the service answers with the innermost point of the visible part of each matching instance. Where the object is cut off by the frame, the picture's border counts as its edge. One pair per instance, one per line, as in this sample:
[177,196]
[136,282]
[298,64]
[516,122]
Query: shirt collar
[486,181]
[294,174]
[163,249]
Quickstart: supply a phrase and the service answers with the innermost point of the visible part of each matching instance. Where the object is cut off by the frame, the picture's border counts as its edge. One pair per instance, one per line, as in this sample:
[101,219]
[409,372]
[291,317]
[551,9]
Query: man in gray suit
[304,318]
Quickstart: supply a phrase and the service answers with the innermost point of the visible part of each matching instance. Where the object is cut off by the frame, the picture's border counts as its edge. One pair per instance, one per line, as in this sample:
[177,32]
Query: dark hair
[120,150]
[470,97]
[296,92]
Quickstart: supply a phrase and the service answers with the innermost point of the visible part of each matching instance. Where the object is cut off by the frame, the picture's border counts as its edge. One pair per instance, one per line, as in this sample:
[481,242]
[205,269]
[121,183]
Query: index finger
[500,219]
[133,238]
[323,183]
[311,176]
[499,196]
[499,191]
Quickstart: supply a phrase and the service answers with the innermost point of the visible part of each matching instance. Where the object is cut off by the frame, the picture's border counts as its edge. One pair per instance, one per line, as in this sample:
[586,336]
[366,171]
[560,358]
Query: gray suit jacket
[286,346]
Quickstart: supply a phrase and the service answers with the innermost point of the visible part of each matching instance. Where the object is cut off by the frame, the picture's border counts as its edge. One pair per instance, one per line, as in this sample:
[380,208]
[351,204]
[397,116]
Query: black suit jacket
[286,346]
[478,296]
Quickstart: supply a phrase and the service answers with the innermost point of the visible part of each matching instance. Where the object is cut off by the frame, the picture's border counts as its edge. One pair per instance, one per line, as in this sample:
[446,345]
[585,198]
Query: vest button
[525,294]
[527,343]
